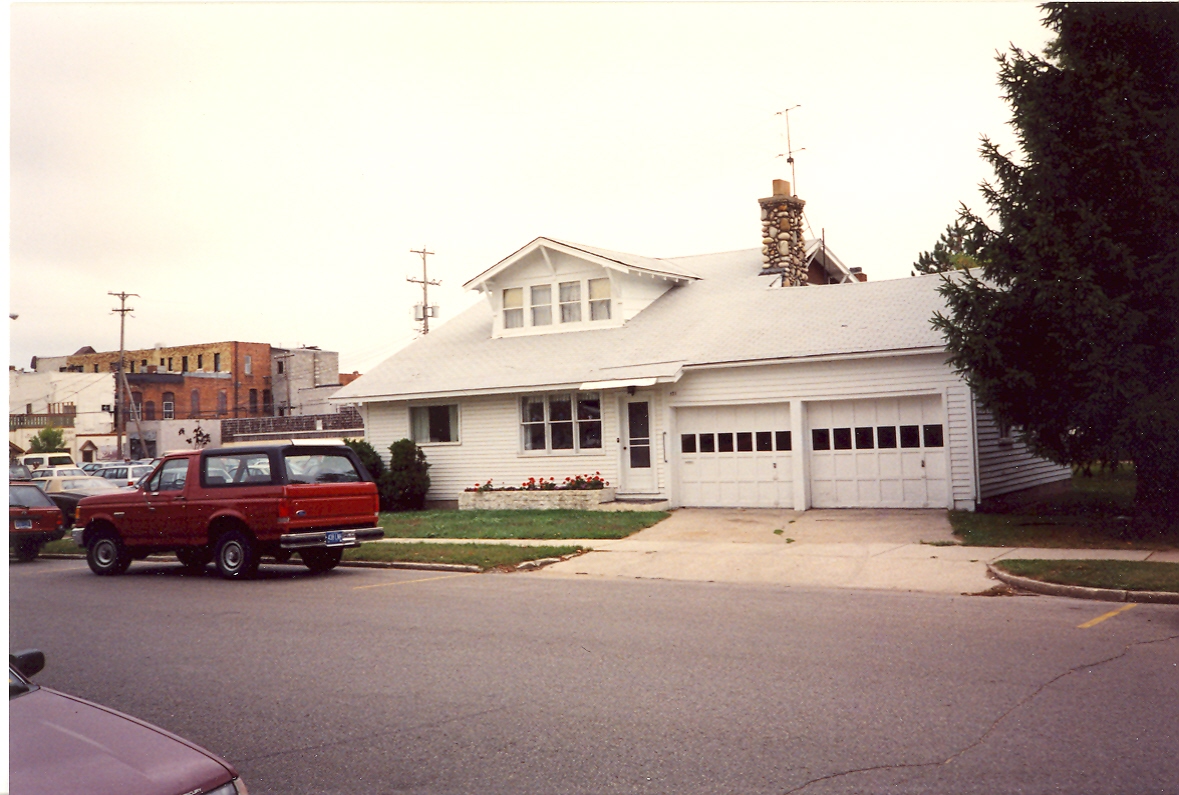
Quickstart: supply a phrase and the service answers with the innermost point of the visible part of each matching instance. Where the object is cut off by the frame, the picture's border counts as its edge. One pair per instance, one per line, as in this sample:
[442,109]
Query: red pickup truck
[233,505]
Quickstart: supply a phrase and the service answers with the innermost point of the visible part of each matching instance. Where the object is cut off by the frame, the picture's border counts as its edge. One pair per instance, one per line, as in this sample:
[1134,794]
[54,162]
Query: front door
[638,474]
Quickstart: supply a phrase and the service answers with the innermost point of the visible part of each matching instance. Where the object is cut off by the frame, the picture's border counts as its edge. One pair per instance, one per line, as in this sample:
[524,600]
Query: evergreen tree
[1073,330]
[957,249]
[48,440]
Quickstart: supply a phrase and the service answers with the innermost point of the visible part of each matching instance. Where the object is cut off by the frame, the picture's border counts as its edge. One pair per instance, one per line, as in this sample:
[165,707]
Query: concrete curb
[358,564]
[1081,592]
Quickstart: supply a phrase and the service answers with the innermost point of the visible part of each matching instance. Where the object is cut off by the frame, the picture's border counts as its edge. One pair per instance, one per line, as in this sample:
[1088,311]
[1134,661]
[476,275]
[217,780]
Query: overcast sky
[261,171]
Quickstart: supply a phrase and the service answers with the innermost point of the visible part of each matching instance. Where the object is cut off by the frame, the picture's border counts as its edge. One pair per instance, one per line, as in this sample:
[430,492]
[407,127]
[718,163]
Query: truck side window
[171,476]
[235,469]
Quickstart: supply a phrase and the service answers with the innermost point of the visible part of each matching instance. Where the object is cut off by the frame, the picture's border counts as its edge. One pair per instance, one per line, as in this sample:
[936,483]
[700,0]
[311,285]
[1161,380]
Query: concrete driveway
[885,549]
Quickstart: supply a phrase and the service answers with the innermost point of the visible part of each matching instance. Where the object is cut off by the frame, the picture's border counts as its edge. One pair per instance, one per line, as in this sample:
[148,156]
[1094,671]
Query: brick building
[205,381]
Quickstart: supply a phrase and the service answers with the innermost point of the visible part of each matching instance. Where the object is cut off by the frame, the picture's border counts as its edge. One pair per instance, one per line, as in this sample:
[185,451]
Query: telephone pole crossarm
[425,282]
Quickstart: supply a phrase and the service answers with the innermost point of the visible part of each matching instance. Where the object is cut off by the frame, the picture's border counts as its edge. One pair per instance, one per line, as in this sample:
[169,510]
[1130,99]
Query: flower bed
[580,492]
[548,499]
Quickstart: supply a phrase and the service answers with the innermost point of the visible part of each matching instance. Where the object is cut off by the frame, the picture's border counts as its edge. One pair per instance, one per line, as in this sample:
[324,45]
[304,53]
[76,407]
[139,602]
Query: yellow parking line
[410,582]
[1110,614]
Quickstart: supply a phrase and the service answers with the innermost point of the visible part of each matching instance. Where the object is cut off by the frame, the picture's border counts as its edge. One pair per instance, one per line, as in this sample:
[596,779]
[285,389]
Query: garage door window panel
[745,442]
[864,438]
[842,438]
[707,443]
[886,437]
[820,439]
[724,442]
[765,442]
[910,436]
[688,443]
[782,440]
[933,435]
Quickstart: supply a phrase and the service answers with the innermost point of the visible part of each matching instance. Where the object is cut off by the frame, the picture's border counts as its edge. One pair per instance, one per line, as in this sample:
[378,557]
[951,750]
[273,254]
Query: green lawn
[485,556]
[554,525]
[1093,514]
[1126,575]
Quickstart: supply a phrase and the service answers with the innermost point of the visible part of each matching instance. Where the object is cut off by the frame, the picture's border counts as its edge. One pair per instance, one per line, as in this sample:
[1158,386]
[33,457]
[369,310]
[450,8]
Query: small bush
[368,456]
[403,487]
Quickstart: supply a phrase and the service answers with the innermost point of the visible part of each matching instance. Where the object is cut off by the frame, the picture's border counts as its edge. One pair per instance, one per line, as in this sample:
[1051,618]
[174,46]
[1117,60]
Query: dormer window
[599,299]
[570,297]
[514,307]
[542,304]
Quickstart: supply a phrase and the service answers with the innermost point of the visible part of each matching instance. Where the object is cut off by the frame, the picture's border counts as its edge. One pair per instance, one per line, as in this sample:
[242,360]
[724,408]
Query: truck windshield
[320,467]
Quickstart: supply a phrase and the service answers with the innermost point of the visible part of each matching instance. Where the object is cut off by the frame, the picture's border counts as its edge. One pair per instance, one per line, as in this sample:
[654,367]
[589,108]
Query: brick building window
[200,361]
[184,364]
[267,403]
[253,400]
[222,402]
[248,363]
[169,406]
[216,362]
[149,410]
[280,366]
[96,368]
[137,402]
[194,403]
[131,364]
[169,364]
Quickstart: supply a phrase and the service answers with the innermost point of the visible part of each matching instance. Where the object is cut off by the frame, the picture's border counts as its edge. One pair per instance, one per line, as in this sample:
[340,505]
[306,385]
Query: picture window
[566,421]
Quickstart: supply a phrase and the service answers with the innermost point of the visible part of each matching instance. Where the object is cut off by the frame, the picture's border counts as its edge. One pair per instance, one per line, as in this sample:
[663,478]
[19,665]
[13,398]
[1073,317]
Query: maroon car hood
[61,745]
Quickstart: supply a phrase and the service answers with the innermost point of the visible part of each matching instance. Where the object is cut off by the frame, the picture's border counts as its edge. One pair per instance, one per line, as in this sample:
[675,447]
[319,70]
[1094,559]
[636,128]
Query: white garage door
[735,456]
[885,453]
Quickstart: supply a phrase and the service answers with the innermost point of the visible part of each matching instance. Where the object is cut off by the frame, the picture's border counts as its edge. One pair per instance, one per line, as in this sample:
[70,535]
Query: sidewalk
[875,549]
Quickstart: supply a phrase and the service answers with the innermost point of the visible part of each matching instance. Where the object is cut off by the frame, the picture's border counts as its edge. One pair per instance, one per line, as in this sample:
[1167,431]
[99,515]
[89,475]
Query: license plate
[24,524]
[334,538]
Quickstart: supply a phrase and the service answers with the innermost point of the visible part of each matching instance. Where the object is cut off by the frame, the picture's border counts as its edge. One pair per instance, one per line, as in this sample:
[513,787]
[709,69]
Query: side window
[170,477]
[320,468]
[235,470]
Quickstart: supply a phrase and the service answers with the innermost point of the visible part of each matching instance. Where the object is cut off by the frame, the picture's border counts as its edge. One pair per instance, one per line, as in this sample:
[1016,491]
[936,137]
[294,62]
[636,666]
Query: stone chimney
[782,248]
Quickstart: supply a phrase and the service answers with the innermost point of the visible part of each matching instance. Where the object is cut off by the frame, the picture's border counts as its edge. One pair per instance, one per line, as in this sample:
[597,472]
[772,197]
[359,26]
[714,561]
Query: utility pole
[425,282]
[121,391]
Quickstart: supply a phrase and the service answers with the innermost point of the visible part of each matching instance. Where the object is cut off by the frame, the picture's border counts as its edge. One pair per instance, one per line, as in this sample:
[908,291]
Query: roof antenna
[789,150]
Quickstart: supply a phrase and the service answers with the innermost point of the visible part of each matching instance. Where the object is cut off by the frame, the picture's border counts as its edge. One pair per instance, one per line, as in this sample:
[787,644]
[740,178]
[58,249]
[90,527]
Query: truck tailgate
[331,505]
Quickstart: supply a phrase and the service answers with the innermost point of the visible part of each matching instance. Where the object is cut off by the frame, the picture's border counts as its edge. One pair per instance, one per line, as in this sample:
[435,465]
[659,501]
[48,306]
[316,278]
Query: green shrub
[403,487]
[368,456]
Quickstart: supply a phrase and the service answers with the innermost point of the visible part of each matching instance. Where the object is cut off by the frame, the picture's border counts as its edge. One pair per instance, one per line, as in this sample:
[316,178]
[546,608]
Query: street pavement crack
[994,724]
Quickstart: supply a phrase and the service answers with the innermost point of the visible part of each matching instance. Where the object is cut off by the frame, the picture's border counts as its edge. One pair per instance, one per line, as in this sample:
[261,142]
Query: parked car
[124,474]
[66,493]
[234,505]
[38,460]
[63,745]
[57,472]
[90,467]
[19,472]
[33,520]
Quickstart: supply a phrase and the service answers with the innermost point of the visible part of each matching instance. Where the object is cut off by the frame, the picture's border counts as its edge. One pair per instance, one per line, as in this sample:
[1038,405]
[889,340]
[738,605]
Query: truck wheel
[194,559]
[320,560]
[26,550]
[107,556]
[235,556]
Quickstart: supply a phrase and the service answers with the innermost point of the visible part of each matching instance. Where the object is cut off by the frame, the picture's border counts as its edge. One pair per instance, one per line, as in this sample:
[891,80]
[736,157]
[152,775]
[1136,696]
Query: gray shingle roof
[731,314]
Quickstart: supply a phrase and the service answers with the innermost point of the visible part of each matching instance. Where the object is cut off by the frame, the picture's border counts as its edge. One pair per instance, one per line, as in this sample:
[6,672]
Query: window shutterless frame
[561,423]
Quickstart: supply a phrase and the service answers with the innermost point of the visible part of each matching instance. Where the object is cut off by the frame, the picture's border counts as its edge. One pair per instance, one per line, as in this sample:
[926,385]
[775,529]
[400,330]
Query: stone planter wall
[589,500]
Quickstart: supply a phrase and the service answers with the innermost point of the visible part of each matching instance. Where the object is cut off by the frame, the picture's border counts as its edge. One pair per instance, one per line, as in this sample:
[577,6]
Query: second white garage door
[883,453]
[735,456]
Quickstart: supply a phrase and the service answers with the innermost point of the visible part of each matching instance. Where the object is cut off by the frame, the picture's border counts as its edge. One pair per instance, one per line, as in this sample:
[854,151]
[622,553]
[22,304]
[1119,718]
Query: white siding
[1006,466]
[489,445]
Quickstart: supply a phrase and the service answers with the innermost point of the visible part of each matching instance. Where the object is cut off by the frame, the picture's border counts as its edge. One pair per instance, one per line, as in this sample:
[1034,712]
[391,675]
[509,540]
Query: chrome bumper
[351,538]
[76,534]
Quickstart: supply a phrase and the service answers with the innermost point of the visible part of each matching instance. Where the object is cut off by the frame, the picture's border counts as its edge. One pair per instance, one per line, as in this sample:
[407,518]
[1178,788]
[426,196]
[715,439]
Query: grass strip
[64,546]
[546,525]
[485,556]
[1123,575]
[1046,531]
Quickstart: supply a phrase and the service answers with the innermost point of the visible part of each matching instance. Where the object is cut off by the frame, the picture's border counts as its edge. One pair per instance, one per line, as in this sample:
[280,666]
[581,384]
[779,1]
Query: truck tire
[235,556]
[26,550]
[194,559]
[320,559]
[106,555]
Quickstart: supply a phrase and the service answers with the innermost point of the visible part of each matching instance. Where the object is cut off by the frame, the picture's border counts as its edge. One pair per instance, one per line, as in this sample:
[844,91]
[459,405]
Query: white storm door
[638,472]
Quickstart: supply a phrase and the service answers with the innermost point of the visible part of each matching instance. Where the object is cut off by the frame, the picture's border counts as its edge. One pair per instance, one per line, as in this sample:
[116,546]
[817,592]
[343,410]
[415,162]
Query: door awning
[620,383]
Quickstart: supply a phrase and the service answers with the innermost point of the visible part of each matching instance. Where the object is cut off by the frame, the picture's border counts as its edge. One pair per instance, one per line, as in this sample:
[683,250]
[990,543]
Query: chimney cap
[782,187]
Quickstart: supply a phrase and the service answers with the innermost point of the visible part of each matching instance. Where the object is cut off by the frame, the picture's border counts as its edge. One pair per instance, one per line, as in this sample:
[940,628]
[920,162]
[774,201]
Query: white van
[39,460]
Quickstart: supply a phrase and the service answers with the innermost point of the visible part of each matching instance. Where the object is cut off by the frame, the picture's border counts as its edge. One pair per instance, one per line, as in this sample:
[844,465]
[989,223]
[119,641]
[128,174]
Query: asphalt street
[393,681]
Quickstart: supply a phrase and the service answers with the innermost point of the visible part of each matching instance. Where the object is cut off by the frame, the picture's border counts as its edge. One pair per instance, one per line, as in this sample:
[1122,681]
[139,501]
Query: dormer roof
[611,260]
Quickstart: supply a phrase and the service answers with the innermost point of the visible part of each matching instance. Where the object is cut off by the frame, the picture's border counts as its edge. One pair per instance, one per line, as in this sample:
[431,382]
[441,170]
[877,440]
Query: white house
[80,404]
[771,378]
